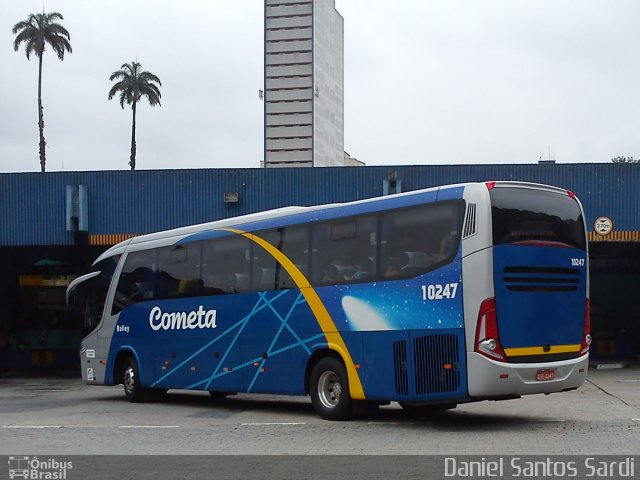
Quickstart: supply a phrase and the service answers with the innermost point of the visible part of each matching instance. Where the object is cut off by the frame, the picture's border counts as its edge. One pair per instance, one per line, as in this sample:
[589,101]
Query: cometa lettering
[201,318]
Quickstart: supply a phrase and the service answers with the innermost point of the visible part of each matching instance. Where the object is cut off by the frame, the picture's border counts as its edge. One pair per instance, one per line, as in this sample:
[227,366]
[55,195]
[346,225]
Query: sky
[426,82]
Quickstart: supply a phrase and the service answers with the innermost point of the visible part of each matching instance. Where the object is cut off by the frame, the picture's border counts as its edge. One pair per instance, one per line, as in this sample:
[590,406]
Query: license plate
[544,375]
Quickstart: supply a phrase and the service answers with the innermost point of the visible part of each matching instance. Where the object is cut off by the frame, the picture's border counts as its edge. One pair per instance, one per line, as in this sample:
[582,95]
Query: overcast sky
[426,82]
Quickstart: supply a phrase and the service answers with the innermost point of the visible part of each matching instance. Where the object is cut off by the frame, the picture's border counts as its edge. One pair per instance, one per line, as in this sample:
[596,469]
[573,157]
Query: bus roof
[293,210]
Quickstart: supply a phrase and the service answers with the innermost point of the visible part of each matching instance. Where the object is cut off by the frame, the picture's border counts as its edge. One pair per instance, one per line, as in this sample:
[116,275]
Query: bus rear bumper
[488,378]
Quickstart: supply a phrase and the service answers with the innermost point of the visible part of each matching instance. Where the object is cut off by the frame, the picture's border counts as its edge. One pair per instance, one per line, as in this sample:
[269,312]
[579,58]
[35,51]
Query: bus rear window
[529,216]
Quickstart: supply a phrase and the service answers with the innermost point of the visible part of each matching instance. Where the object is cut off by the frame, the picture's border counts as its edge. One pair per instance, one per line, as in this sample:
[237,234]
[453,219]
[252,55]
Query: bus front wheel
[131,381]
[329,389]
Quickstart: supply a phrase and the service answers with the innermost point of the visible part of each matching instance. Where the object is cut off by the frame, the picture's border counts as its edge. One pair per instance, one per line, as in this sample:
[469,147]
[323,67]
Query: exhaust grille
[400,363]
[541,279]
[436,364]
[470,221]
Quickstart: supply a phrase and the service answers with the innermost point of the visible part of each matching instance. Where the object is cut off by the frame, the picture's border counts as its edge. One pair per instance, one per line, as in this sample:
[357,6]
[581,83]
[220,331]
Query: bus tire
[133,391]
[329,389]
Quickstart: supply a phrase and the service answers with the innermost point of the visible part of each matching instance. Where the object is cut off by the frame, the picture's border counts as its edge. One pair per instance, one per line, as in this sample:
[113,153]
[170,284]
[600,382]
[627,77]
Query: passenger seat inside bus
[190,287]
[267,279]
[238,282]
[366,269]
[413,262]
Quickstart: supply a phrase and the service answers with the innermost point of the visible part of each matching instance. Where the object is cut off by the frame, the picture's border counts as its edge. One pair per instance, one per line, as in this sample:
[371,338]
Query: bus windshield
[529,216]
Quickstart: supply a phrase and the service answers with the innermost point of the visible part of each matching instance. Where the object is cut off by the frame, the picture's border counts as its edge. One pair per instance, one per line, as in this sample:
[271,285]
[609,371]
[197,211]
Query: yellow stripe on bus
[522,351]
[317,307]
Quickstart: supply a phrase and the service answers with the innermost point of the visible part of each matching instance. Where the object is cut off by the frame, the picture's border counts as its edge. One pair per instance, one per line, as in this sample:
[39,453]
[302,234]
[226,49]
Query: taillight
[487,336]
[586,334]
[490,185]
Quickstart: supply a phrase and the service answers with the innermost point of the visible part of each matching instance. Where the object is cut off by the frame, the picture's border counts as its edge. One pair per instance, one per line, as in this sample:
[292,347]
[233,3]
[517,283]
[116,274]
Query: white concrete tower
[303,84]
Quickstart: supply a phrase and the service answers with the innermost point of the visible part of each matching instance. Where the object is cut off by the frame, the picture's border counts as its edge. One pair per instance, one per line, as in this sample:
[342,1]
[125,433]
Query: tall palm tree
[134,84]
[35,32]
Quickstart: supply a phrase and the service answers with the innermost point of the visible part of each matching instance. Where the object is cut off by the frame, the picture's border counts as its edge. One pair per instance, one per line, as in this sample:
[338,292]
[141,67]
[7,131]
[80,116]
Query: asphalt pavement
[62,416]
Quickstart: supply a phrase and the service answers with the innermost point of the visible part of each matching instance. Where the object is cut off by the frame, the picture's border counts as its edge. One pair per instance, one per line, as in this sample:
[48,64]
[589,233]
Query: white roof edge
[189,229]
[118,248]
[265,215]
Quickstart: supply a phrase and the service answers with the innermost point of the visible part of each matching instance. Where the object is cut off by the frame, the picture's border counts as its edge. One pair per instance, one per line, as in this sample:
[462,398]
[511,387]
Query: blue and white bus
[430,298]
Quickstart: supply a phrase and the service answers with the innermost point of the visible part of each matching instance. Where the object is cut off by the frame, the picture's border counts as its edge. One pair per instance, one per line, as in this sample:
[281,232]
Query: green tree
[133,84]
[623,159]
[36,32]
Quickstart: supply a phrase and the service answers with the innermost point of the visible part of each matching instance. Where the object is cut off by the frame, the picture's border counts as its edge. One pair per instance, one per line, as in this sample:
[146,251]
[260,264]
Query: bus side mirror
[73,290]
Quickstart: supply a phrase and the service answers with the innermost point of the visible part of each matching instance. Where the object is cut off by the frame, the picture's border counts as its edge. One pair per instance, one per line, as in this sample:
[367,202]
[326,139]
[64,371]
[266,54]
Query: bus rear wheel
[131,381]
[329,389]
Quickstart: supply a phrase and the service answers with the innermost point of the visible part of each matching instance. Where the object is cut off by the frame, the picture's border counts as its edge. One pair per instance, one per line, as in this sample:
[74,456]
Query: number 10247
[438,291]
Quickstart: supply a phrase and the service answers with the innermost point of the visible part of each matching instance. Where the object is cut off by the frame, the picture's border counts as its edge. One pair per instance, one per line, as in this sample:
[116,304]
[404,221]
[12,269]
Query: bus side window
[420,239]
[137,280]
[179,272]
[265,266]
[295,246]
[226,265]
[344,251]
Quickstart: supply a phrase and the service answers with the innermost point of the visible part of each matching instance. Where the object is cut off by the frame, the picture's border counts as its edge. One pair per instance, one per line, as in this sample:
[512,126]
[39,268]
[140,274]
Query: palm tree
[134,84]
[35,32]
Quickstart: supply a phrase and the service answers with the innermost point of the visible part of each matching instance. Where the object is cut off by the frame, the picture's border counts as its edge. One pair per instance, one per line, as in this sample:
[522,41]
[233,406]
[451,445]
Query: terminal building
[303,85]
[54,225]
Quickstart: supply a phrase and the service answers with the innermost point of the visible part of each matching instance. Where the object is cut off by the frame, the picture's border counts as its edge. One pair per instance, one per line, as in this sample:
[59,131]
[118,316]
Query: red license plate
[544,375]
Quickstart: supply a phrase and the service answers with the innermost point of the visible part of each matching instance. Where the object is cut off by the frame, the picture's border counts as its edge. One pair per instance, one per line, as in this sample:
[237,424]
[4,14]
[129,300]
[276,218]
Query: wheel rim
[129,379]
[329,389]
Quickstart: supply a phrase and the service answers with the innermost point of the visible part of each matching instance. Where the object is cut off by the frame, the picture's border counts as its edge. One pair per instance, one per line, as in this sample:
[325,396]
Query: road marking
[87,426]
[31,426]
[148,426]
[256,424]
[636,419]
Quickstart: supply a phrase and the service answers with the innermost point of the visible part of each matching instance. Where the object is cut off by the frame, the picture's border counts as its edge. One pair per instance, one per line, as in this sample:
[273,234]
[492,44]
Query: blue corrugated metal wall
[32,209]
